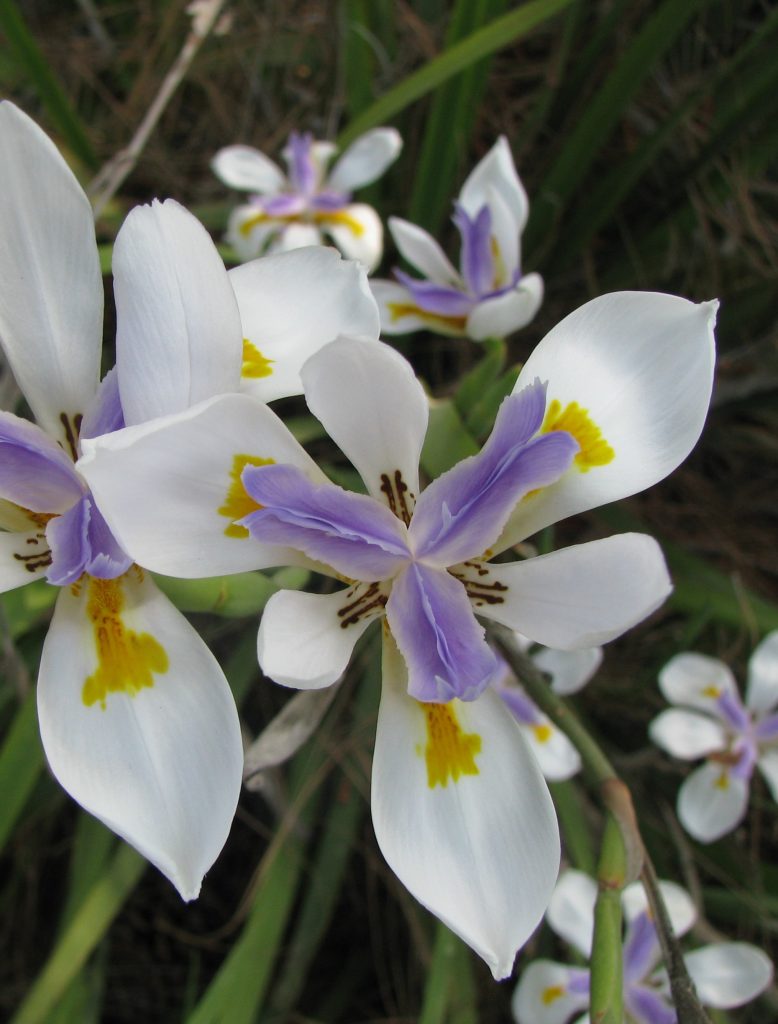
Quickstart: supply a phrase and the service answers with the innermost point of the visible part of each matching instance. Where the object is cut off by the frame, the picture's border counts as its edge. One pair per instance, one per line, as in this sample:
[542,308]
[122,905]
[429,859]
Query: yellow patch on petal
[500,274]
[256,219]
[449,752]
[595,450]
[126,661]
[340,217]
[712,691]
[397,310]
[254,363]
[543,732]
[722,782]
[239,502]
[551,994]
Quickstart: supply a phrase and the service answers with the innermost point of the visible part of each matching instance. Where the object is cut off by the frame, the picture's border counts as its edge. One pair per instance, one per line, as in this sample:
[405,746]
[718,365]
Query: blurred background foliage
[645,133]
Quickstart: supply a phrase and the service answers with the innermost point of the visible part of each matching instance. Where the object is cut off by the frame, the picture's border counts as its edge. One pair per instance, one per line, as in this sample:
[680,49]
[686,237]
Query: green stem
[607,981]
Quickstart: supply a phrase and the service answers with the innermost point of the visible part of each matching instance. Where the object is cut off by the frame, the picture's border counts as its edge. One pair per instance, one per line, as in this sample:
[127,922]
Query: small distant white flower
[570,671]
[488,296]
[288,211]
[713,722]
[725,974]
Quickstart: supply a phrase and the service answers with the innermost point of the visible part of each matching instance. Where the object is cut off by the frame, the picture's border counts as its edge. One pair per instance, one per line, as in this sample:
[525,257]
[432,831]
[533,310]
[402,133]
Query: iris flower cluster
[175,463]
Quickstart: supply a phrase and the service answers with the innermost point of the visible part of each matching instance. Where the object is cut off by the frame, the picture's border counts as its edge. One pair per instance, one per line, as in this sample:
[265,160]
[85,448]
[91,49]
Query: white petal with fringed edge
[178,338]
[52,311]
[630,376]
[139,724]
[460,811]
[280,331]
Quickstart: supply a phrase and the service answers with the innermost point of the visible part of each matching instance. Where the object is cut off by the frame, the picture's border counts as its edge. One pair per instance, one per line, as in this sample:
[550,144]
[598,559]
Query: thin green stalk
[606,1002]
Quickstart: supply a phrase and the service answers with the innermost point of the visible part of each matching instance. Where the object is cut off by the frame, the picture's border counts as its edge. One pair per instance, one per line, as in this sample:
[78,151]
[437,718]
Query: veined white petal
[305,640]
[697,681]
[51,313]
[24,556]
[505,239]
[365,159]
[571,909]
[291,304]
[373,407]
[504,314]
[729,974]
[762,691]
[579,596]
[463,816]
[687,734]
[247,169]
[678,903]
[496,171]
[570,671]
[630,375]
[141,729]
[178,337]
[712,802]
[543,995]
[557,757]
[170,490]
[358,233]
[422,251]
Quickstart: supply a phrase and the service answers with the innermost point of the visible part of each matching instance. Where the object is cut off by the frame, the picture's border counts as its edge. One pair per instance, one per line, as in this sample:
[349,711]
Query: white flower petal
[579,596]
[365,159]
[496,171]
[466,824]
[768,765]
[570,671]
[160,486]
[422,251]
[571,910]
[296,236]
[678,903]
[291,304]
[729,974]
[145,734]
[557,757]
[504,314]
[762,691]
[51,313]
[305,640]
[686,734]
[245,168]
[373,407]
[358,233]
[24,556]
[250,232]
[697,681]
[629,374]
[399,312]
[178,337]
[543,996]
[712,802]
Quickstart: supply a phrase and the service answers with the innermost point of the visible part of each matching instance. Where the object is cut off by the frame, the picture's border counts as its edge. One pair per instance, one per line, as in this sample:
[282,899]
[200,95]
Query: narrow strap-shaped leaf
[21,763]
[448,992]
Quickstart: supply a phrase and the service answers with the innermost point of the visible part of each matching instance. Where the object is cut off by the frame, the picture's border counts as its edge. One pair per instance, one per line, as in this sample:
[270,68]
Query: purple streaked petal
[355,534]
[284,205]
[747,754]
[648,1007]
[436,298]
[107,560]
[463,512]
[520,706]
[767,728]
[578,981]
[477,260]
[105,413]
[731,709]
[302,170]
[80,542]
[641,949]
[443,646]
[34,471]
[330,201]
